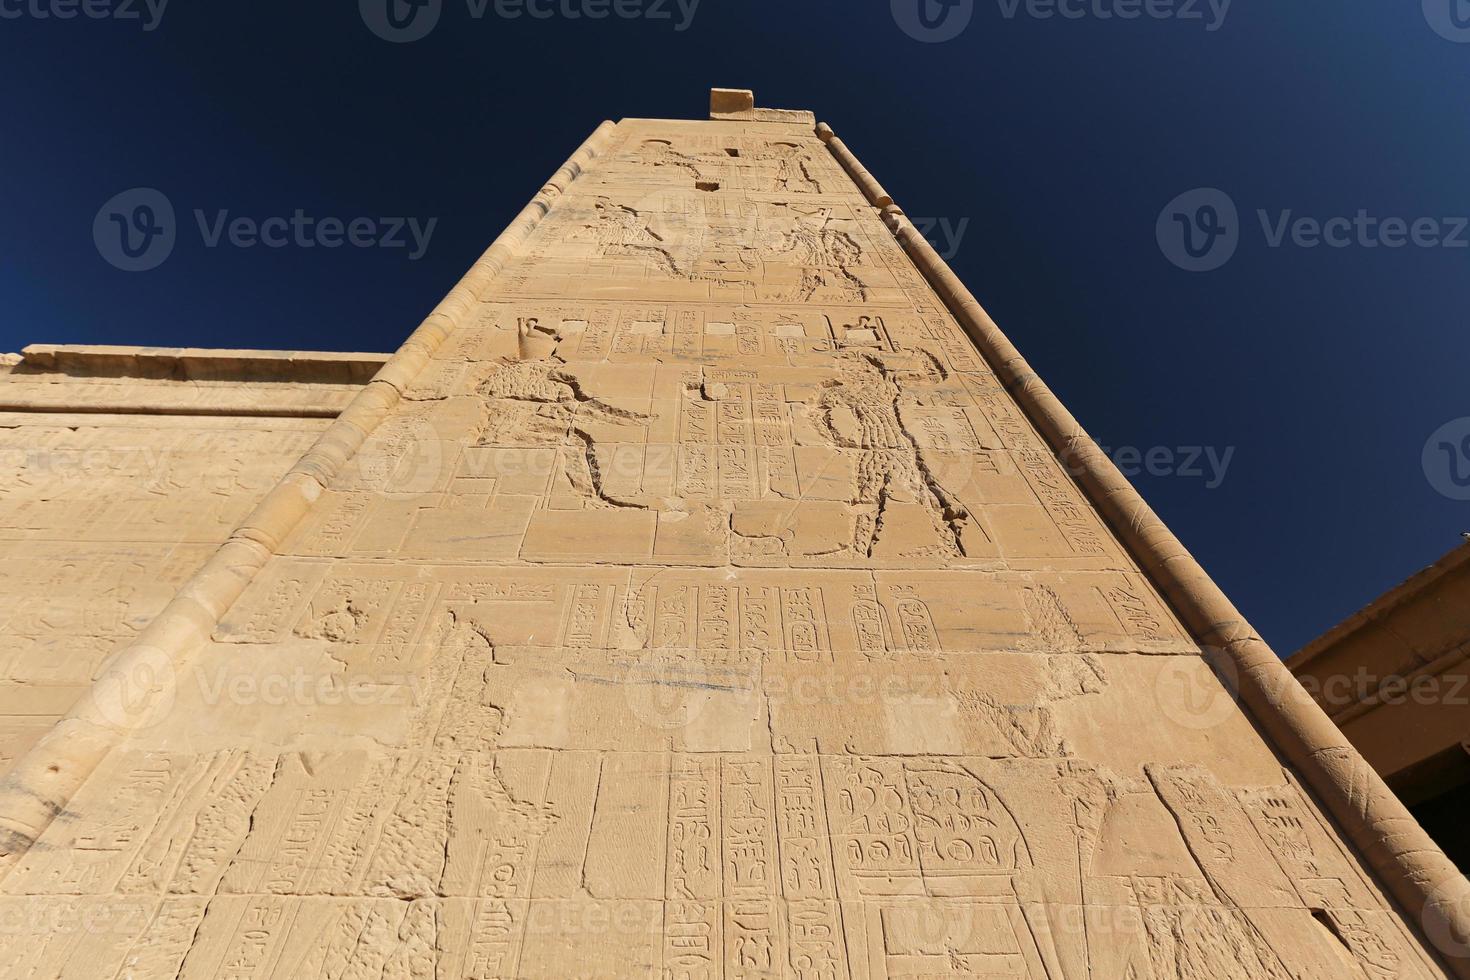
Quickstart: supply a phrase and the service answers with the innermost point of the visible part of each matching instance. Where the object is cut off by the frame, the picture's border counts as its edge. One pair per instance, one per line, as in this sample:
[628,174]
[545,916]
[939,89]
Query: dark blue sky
[1061,140]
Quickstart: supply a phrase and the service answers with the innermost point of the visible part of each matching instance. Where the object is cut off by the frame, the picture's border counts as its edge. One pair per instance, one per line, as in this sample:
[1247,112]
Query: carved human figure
[861,411]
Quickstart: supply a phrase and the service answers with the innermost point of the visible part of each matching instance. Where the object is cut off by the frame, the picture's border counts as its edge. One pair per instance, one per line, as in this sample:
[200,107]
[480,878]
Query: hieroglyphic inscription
[705,608]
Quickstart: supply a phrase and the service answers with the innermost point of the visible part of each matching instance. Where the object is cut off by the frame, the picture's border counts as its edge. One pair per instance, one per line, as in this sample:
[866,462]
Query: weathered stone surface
[121,470]
[728,101]
[706,607]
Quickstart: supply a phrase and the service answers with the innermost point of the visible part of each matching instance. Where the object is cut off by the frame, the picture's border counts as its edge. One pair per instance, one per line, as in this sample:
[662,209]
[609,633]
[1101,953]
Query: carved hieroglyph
[705,608]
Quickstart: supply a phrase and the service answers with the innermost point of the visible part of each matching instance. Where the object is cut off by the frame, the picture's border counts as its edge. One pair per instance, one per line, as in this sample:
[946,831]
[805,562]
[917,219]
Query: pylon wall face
[701,606]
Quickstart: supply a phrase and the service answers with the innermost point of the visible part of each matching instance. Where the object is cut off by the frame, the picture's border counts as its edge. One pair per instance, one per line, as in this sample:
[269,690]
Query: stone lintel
[738,104]
[197,364]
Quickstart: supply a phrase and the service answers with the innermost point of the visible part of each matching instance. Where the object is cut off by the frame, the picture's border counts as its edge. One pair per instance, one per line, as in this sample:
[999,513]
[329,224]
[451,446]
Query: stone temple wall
[121,470]
[691,596]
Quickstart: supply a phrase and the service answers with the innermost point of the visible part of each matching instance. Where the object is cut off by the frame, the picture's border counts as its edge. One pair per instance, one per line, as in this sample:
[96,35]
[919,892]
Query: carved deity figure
[862,411]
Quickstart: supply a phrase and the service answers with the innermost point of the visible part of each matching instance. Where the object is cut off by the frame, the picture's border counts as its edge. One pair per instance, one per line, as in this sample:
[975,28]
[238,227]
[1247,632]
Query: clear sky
[1302,385]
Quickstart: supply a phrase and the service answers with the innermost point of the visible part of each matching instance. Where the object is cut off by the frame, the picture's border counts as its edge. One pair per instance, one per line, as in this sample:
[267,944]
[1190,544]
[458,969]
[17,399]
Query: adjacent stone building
[705,589]
[1395,678]
[121,470]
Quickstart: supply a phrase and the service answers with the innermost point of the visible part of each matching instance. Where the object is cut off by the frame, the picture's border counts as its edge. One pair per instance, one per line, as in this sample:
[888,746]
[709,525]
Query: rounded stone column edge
[865,181]
[1404,858]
